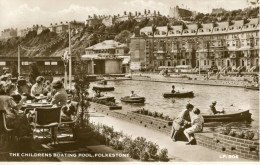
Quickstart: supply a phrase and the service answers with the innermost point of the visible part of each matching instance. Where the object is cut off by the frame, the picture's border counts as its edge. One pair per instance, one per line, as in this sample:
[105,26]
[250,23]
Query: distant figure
[133,94]
[173,89]
[213,108]
[98,94]
[104,82]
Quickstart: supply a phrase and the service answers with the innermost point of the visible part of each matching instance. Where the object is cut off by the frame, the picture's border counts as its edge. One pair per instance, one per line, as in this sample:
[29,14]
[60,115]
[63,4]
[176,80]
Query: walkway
[177,151]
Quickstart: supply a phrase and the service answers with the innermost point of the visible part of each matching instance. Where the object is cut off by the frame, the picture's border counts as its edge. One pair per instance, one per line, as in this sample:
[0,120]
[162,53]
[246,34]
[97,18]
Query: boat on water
[232,117]
[136,99]
[103,88]
[106,98]
[179,94]
[252,87]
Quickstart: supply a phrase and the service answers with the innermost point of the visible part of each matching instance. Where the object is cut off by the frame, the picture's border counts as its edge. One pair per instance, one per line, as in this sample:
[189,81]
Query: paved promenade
[193,80]
[178,151]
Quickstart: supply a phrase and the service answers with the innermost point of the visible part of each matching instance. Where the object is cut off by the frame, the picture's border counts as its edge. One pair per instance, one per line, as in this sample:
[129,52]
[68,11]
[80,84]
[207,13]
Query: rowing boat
[232,117]
[179,94]
[136,99]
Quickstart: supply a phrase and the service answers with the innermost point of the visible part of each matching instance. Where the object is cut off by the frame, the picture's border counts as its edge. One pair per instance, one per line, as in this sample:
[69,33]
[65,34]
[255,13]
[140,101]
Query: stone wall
[244,148]
[144,120]
[248,149]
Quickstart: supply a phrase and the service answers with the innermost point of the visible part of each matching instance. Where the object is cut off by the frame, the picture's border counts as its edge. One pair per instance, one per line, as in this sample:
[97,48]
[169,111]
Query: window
[2,63]
[205,62]
[26,63]
[47,63]
[54,63]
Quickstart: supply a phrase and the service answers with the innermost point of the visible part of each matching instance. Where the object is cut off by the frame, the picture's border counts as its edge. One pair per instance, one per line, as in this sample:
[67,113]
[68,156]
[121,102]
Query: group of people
[15,92]
[188,122]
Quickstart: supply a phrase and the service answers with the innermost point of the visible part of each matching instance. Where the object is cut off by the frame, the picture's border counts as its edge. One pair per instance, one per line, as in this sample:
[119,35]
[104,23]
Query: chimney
[135,13]
[137,31]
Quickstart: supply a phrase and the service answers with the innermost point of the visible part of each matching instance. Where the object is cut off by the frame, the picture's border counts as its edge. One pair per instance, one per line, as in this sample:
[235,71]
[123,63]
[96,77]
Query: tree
[123,36]
[169,28]
[34,72]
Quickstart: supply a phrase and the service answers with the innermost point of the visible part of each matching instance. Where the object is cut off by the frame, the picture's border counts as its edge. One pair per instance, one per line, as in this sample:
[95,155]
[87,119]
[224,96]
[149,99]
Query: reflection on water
[229,98]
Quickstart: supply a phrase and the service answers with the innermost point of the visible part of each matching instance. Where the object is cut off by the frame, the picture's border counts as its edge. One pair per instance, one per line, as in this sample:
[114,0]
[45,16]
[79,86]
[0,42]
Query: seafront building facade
[229,46]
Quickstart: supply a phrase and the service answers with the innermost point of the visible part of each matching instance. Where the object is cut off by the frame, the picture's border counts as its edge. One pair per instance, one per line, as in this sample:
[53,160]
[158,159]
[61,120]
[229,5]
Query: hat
[214,102]
[21,82]
[3,78]
[13,80]
[57,84]
[39,79]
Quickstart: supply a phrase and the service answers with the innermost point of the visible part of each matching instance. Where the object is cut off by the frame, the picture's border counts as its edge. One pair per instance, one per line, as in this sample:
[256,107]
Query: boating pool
[229,98]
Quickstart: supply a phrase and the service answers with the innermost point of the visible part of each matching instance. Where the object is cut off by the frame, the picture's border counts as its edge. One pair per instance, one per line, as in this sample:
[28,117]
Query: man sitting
[213,108]
[133,94]
[173,91]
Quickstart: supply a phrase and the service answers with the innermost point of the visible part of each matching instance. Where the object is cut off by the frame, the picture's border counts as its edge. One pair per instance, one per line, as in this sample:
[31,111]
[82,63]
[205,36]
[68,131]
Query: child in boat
[213,108]
[133,94]
[173,91]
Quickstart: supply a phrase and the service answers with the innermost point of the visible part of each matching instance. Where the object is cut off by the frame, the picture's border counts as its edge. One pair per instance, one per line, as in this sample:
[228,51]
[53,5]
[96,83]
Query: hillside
[51,44]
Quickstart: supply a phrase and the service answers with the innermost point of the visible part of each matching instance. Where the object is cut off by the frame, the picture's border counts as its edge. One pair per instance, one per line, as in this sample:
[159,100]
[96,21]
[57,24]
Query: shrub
[232,133]
[240,134]
[226,130]
[144,156]
[249,134]
[163,155]
[150,113]
[155,114]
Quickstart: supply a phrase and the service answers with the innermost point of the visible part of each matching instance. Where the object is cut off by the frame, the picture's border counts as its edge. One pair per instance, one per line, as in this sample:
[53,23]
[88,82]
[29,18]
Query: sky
[25,13]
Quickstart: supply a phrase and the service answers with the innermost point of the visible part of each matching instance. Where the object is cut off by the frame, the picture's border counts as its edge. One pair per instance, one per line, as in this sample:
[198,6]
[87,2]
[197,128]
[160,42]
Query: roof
[192,26]
[223,24]
[207,26]
[107,44]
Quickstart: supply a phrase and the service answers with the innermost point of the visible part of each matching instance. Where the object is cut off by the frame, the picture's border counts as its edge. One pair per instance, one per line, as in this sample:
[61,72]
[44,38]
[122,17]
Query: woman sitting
[60,97]
[14,120]
[196,126]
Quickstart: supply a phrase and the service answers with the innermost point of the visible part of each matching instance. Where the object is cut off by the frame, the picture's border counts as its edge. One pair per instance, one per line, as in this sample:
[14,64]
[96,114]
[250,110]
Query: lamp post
[199,55]
[70,63]
[19,63]
[65,59]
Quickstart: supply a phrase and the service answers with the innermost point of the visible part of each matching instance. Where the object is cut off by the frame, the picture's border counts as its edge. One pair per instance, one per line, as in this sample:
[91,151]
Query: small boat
[103,88]
[136,99]
[106,98]
[252,87]
[180,94]
[232,117]
[102,82]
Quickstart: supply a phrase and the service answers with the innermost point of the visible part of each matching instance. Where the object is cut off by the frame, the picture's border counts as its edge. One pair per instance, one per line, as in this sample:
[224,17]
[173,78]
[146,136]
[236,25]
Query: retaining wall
[244,148]
[248,149]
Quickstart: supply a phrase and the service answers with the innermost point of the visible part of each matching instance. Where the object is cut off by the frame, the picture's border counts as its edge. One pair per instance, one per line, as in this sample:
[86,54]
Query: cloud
[26,16]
